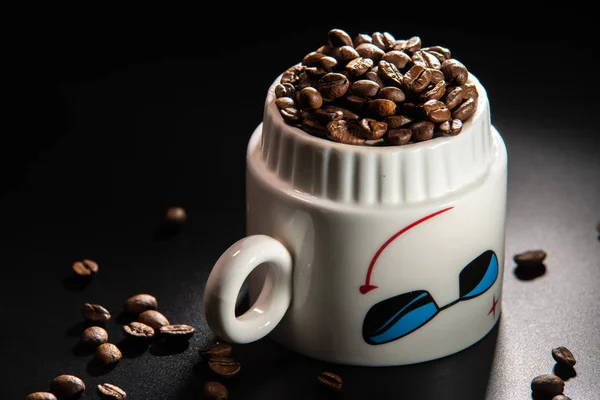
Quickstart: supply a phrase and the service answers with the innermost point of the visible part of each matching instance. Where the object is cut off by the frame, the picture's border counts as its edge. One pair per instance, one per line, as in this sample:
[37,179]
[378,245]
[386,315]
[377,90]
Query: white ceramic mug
[367,255]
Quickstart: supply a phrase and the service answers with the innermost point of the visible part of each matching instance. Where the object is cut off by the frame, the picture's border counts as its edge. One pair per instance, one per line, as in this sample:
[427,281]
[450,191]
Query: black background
[115,119]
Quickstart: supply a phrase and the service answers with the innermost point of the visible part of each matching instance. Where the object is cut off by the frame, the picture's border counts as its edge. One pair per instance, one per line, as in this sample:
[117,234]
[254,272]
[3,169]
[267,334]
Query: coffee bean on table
[112,392]
[85,268]
[107,353]
[563,356]
[530,258]
[417,79]
[436,111]
[138,330]
[369,50]
[338,132]
[455,72]
[330,381]
[392,93]
[95,313]
[41,396]
[465,110]
[177,332]
[339,38]
[216,350]
[215,391]
[382,108]
[548,384]
[365,88]
[175,216]
[397,121]
[398,136]
[451,128]
[422,130]
[94,336]
[359,66]
[333,85]
[66,386]
[153,319]
[224,366]
[140,303]
[399,58]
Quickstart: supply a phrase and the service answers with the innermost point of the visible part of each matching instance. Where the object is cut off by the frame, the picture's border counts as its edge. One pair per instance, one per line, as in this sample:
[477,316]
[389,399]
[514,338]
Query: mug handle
[225,282]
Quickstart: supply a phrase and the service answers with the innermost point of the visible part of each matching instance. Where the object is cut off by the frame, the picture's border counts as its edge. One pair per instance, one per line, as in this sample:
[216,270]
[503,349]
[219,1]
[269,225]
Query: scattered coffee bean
[465,110]
[85,268]
[561,397]
[339,38]
[382,108]
[451,128]
[417,78]
[138,330]
[140,303]
[362,38]
[290,114]
[224,366]
[436,111]
[369,50]
[398,136]
[563,356]
[392,93]
[153,319]
[422,130]
[530,258]
[66,386]
[95,313]
[108,353]
[310,98]
[94,336]
[216,350]
[338,132]
[396,57]
[285,90]
[175,216]
[365,88]
[215,391]
[330,381]
[285,102]
[345,54]
[397,121]
[548,384]
[333,85]
[112,392]
[359,66]
[180,331]
[41,396]
[455,72]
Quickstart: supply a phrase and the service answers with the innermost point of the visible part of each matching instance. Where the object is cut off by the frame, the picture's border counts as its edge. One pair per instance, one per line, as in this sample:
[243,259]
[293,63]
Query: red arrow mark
[367,287]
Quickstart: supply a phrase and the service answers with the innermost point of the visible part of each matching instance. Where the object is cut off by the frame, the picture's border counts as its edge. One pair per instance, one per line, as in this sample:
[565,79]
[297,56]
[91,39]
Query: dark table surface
[128,124]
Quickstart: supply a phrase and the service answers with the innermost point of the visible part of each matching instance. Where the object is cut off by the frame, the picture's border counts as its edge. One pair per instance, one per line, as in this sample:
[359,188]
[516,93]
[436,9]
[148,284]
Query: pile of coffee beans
[377,90]
[550,385]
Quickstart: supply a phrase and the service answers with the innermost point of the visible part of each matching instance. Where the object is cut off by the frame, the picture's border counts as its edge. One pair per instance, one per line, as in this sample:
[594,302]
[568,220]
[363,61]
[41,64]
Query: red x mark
[493,309]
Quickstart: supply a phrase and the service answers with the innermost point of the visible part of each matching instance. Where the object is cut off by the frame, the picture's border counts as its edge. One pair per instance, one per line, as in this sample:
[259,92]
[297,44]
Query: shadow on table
[271,371]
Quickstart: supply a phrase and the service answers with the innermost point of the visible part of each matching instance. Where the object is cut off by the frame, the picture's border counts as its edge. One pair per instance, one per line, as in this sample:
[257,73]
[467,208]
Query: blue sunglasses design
[398,316]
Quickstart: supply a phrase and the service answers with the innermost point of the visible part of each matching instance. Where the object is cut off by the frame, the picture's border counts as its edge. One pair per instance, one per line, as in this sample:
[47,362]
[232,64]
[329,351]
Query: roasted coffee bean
[437,76]
[326,49]
[451,128]
[367,128]
[333,85]
[328,63]
[348,115]
[339,38]
[392,93]
[175,216]
[330,381]
[399,136]
[455,72]
[312,73]
[384,41]
[290,114]
[285,102]
[107,353]
[359,66]
[292,74]
[598,227]
[85,268]
[413,110]
[345,54]
[397,121]
[215,391]
[179,331]
[373,75]
[417,79]
[312,59]
[66,386]
[436,111]
[426,59]
[138,330]
[224,366]
[216,350]
[365,88]
[94,336]
[470,91]
[112,392]
[309,98]
[434,93]
[338,132]
[530,258]
[422,130]
[389,74]
[369,50]
[140,303]
[362,38]
[561,397]
[563,356]
[353,102]
[548,384]
[399,58]
[454,98]
[306,81]
[153,319]
[382,108]
[465,110]
[95,313]
[323,116]
[314,127]
[41,396]
[285,90]
[412,45]
[442,51]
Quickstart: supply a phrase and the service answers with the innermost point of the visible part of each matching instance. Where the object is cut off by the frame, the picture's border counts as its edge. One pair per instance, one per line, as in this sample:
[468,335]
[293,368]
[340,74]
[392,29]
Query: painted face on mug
[406,312]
